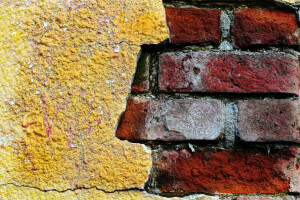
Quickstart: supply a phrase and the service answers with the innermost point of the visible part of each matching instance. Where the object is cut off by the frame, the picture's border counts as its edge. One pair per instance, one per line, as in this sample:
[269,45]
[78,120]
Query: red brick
[133,120]
[240,72]
[268,27]
[141,78]
[191,25]
[171,120]
[268,120]
[265,198]
[227,171]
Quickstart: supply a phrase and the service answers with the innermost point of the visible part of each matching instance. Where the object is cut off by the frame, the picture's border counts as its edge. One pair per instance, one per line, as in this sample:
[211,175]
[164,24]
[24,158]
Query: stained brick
[226,171]
[239,72]
[191,25]
[268,27]
[268,120]
[171,120]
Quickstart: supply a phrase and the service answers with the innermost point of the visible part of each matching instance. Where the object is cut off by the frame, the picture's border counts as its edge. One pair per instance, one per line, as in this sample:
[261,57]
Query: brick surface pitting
[268,27]
[171,120]
[240,72]
[191,25]
[268,120]
[228,171]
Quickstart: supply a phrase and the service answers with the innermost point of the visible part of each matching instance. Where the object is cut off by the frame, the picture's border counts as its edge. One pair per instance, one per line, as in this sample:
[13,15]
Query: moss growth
[141,69]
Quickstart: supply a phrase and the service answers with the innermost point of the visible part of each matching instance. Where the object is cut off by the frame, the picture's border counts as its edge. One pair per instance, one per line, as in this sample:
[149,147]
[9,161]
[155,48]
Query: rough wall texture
[221,110]
[66,70]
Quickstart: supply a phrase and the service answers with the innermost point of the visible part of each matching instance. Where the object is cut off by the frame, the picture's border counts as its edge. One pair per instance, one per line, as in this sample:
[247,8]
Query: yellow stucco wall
[65,71]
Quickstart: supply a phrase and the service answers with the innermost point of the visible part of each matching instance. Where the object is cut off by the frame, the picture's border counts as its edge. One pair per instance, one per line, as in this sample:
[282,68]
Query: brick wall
[218,102]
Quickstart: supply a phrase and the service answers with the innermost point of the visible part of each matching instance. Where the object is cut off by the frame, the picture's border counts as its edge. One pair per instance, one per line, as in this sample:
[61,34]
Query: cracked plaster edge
[190,197]
[67,190]
[129,94]
[117,43]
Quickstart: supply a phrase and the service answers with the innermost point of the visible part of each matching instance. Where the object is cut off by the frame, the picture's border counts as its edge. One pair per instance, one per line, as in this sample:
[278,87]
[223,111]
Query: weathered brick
[191,25]
[171,120]
[141,78]
[226,171]
[265,198]
[268,120]
[239,72]
[268,27]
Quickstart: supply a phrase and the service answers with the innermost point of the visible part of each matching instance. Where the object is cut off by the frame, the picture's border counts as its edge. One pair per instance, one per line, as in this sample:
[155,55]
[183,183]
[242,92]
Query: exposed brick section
[178,126]
[173,120]
[191,25]
[268,120]
[265,198]
[227,171]
[141,77]
[240,72]
[268,27]
[132,123]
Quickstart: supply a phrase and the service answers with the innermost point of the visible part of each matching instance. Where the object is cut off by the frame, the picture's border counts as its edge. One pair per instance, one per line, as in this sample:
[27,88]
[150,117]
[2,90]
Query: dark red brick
[268,27]
[268,120]
[239,72]
[171,120]
[226,171]
[191,25]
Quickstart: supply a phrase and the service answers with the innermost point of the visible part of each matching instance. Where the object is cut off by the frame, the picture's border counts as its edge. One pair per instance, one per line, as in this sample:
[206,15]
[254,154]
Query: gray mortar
[225,24]
[151,184]
[230,121]
[225,46]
